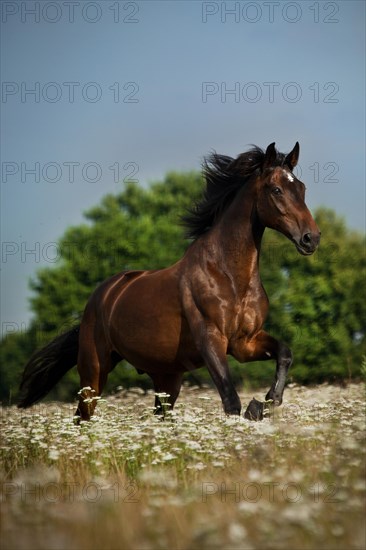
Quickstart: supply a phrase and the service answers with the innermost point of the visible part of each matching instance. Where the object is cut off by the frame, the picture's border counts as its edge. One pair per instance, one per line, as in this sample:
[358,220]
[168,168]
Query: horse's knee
[285,357]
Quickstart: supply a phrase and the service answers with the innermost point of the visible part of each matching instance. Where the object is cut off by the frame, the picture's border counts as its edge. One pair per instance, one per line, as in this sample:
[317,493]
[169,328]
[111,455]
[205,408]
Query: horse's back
[145,321]
[141,316]
[106,292]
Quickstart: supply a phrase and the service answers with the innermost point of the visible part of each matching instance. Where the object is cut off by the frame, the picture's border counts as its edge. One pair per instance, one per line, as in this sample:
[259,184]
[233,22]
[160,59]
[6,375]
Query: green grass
[199,480]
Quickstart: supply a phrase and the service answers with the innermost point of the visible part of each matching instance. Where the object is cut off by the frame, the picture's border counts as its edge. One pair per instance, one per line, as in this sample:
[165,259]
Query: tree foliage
[317,304]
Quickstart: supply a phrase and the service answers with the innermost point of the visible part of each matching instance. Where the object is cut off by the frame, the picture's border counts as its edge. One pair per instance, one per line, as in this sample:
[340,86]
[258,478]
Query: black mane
[224,177]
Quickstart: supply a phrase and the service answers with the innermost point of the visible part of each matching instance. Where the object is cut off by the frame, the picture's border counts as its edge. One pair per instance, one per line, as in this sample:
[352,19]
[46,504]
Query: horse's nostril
[306,239]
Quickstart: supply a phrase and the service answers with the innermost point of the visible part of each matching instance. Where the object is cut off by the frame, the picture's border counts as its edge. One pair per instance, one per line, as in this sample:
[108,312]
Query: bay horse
[209,304]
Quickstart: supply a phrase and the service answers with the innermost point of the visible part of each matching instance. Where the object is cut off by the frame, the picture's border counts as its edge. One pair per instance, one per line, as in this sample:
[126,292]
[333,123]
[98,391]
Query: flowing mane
[224,177]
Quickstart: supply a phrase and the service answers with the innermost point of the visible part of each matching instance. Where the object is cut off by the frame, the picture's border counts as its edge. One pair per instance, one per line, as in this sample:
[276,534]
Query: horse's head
[281,201]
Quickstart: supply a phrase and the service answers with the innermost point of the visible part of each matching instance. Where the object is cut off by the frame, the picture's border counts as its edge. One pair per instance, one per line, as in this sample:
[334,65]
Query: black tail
[47,366]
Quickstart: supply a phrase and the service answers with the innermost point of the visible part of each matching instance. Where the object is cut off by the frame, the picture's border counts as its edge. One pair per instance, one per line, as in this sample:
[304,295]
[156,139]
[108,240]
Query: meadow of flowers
[198,480]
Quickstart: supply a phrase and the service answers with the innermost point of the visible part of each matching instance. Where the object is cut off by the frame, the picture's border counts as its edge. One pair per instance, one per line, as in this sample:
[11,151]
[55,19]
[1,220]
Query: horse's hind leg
[169,384]
[94,364]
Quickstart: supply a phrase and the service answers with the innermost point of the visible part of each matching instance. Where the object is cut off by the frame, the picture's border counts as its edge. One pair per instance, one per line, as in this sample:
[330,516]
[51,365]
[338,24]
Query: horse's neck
[238,236]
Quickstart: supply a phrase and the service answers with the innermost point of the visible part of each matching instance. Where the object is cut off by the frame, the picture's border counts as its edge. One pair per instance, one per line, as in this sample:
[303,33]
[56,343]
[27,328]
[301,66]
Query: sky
[98,93]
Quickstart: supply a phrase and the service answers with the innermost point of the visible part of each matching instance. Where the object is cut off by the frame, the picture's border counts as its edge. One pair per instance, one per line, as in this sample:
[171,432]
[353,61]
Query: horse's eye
[277,191]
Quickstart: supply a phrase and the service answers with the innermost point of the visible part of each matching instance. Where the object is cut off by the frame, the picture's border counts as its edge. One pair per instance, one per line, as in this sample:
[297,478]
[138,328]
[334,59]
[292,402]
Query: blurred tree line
[317,303]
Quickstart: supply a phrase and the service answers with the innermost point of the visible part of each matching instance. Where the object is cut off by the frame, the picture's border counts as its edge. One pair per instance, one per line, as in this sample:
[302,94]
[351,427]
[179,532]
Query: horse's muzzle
[308,242]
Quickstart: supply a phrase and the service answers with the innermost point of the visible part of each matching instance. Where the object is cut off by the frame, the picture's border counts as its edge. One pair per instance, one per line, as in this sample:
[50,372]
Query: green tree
[15,350]
[317,304]
[325,304]
[135,229]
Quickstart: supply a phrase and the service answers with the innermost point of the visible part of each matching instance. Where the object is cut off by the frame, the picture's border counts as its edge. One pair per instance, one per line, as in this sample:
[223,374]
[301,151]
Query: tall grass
[200,479]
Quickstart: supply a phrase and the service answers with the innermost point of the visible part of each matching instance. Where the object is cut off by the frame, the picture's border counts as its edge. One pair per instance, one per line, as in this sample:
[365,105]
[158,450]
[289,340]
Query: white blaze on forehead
[289,176]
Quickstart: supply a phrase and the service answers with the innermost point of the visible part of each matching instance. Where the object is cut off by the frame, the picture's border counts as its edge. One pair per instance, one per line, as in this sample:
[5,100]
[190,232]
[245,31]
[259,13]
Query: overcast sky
[97,92]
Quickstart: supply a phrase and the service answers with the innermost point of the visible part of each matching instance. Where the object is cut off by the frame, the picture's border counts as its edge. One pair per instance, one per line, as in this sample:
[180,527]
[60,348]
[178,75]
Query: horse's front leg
[284,362]
[263,347]
[212,345]
[213,348]
[218,368]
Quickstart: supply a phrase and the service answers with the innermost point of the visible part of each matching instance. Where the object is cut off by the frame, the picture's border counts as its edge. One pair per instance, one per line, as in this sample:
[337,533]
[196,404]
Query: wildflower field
[198,480]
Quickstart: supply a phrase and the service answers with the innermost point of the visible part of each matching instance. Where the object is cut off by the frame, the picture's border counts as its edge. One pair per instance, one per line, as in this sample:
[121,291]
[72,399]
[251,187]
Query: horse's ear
[270,156]
[293,157]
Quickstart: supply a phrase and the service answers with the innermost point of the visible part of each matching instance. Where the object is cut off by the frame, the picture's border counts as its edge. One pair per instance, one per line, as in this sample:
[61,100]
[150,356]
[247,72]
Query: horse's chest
[249,314]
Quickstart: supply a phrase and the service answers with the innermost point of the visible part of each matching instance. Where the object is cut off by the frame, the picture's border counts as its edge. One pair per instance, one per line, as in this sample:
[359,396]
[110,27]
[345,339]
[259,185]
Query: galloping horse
[209,304]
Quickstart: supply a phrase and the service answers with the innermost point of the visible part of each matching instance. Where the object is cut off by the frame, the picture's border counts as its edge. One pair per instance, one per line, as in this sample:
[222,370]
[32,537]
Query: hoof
[254,410]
